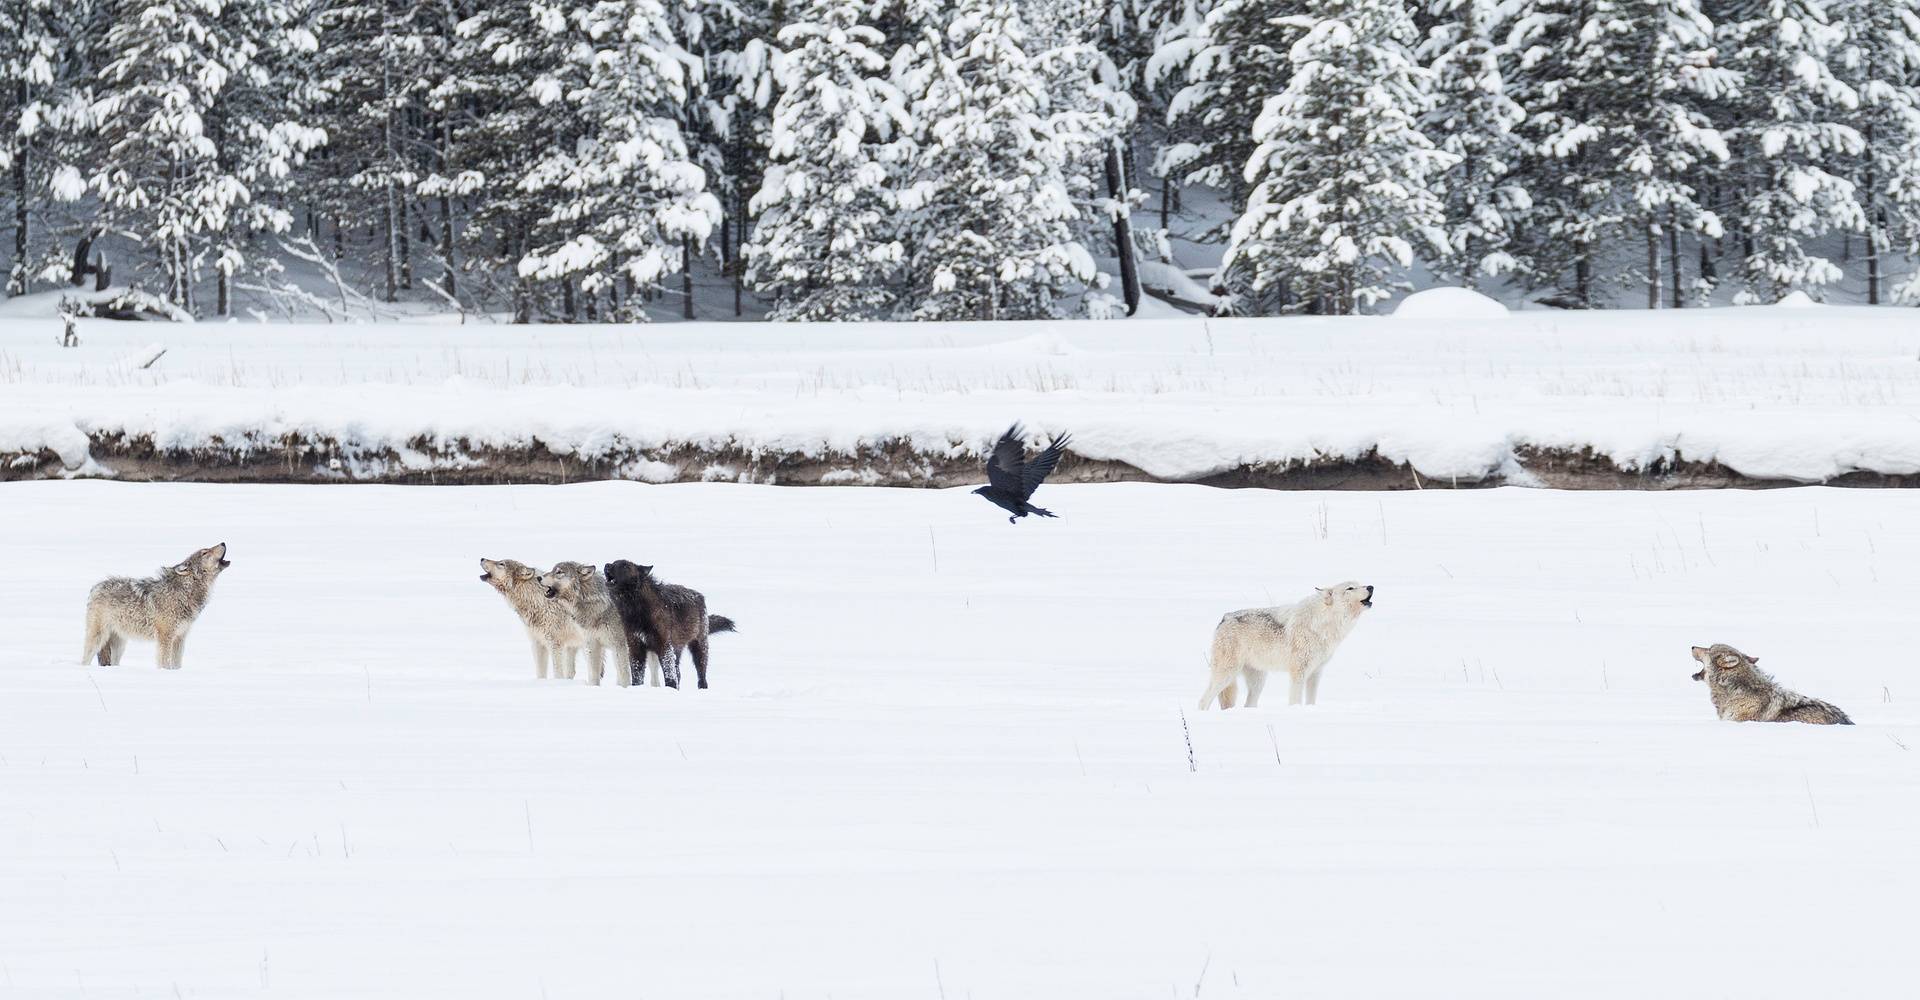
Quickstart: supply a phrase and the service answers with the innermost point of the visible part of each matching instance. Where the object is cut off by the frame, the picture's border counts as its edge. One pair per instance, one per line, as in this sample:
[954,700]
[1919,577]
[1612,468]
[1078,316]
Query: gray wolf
[160,608]
[663,618]
[1298,639]
[1742,692]
[580,590]
[1010,483]
[552,631]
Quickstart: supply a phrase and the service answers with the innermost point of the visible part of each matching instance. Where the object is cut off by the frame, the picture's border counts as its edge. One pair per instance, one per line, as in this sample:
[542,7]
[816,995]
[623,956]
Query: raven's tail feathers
[719,623]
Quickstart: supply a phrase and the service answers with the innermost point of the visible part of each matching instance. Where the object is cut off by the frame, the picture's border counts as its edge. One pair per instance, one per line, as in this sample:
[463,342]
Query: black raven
[1010,483]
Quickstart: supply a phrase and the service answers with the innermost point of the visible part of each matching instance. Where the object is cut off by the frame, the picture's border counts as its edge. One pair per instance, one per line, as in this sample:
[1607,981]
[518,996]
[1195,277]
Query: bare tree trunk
[1673,255]
[1123,229]
[17,273]
[740,266]
[392,253]
[1583,277]
[686,276]
[224,304]
[1653,265]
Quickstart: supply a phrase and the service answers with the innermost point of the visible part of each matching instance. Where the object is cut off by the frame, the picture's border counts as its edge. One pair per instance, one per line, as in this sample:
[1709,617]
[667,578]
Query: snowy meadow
[946,756]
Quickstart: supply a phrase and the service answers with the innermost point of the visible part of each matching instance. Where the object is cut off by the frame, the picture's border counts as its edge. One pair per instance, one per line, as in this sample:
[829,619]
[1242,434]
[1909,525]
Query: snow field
[945,756]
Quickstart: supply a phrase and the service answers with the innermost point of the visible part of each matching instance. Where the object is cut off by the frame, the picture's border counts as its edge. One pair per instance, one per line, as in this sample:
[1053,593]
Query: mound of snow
[1449,303]
[1797,299]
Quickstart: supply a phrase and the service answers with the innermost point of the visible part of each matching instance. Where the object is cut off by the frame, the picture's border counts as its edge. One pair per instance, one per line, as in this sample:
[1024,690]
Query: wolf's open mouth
[1700,675]
[553,592]
[224,564]
[1367,602]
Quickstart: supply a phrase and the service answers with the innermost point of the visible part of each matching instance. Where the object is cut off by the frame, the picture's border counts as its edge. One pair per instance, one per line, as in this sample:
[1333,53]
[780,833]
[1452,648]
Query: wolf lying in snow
[583,594]
[555,635]
[1299,640]
[1742,692]
[663,618]
[160,608]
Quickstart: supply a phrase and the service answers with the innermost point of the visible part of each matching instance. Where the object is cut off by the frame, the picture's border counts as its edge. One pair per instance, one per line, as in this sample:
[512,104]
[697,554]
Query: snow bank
[1769,394]
[1449,303]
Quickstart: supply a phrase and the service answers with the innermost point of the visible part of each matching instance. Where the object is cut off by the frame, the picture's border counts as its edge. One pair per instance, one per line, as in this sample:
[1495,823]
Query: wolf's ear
[1753,659]
[646,571]
[1326,596]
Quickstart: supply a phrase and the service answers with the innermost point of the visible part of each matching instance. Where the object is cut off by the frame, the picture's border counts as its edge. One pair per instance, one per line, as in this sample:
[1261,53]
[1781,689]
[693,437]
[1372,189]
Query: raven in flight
[1010,483]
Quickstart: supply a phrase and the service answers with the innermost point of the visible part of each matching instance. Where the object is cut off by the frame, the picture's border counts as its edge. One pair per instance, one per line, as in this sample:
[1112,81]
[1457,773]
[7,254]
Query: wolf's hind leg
[96,640]
[698,648]
[1256,680]
[1216,683]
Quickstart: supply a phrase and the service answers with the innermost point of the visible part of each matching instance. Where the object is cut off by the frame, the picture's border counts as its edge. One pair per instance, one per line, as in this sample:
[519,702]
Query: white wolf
[160,607]
[1299,640]
[582,591]
[553,632]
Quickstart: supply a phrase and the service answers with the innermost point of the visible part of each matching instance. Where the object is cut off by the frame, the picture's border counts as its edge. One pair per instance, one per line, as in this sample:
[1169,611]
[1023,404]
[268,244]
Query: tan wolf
[553,632]
[1298,640]
[1742,692]
[160,608]
[582,591]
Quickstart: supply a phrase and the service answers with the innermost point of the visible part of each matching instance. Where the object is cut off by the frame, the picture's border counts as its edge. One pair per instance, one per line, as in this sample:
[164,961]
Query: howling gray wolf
[160,608]
[580,590]
[1299,640]
[663,618]
[552,631]
[1742,692]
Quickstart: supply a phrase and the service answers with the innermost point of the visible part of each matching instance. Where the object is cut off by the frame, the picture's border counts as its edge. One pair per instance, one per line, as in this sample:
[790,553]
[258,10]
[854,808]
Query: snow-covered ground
[1803,394]
[944,757]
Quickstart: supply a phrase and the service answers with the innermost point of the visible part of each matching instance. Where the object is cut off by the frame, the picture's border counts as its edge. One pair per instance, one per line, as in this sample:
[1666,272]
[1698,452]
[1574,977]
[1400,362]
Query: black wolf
[663,618]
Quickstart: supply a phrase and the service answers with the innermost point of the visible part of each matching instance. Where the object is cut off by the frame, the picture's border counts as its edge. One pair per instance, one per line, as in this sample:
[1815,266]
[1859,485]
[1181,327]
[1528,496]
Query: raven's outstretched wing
[1036,472]
[1003,469]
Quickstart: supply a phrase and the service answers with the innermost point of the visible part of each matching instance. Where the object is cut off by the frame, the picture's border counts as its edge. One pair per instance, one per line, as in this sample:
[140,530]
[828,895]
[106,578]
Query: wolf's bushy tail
[719,623]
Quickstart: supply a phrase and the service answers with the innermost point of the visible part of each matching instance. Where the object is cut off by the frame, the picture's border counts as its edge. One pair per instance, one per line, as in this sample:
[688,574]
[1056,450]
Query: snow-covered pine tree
[1140,29]
[733,116]
[1617,135]
[378,57]
[1092,113]
[1343,198]
[1880,60]
[621,191]
[1474,117]
[1229,62]
[990,216]
[825,244]
[32,37]
[1791,146]
[194,132]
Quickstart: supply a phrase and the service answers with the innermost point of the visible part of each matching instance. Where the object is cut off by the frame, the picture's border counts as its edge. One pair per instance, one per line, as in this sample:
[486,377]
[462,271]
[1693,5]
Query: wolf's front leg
[1296,687]
[670,666]
[540,660]
[596,663]
[623,665]
[1313,686]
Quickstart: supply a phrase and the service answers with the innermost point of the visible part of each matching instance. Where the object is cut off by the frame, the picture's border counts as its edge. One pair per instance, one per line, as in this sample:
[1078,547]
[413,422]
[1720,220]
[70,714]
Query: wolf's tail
[719,623]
